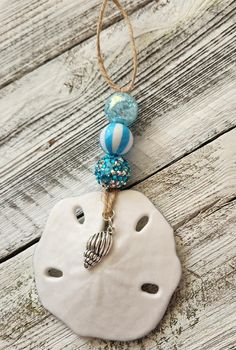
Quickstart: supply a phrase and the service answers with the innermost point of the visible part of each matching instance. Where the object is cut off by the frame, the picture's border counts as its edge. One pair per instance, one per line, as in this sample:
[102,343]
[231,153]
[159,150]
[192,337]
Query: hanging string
[102,68]
[109,198]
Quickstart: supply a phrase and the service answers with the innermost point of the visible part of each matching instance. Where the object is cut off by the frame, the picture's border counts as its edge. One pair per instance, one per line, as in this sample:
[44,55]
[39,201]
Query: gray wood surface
[184,157]
[33,32]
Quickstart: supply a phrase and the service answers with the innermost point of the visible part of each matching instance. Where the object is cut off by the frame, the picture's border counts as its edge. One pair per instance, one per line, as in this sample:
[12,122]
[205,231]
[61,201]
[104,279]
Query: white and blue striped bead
[116,139]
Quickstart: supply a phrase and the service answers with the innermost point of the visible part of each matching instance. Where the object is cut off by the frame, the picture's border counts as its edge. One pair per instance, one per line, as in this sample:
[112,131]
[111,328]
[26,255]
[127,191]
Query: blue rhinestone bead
[116,139]
[122,108]
[112,171]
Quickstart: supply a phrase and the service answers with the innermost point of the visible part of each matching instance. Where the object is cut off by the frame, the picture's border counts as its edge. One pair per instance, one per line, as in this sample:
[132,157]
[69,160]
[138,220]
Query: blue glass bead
[122,108]
[116,139]
[116,172]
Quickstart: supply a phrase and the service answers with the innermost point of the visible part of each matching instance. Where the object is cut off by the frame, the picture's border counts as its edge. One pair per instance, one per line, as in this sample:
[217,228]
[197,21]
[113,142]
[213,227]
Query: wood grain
[52,116]
[184,158]
[197,195]
[33,32]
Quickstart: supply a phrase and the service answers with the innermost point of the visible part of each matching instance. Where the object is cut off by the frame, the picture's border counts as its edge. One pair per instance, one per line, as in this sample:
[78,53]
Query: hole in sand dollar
[142,223]
[79,214]
[150,288]
[53,272]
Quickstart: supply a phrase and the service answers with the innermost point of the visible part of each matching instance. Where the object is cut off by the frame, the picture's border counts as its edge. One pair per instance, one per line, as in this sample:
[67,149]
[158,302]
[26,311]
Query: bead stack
[116,139]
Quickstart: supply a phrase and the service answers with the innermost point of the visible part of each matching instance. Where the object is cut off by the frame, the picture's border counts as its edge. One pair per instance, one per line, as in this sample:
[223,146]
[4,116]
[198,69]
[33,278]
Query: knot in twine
[109,198]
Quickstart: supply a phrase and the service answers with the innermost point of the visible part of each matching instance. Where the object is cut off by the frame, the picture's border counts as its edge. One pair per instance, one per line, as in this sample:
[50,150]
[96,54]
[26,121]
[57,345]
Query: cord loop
[102,68]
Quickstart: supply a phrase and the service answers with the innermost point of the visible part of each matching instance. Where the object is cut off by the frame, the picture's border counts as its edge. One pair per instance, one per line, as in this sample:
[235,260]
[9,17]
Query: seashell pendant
[98,246]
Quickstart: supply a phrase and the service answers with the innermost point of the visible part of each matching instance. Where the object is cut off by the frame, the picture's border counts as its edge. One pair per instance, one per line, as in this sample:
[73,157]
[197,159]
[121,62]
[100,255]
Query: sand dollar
[125,296]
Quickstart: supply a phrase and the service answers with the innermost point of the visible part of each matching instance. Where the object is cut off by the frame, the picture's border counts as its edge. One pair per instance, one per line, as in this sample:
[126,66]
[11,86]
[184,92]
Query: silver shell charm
[97,247]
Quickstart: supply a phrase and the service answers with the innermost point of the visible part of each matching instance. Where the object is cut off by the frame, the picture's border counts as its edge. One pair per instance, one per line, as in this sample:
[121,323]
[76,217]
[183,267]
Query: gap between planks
[205,290]
[68,45]
[200,52]
[35,240]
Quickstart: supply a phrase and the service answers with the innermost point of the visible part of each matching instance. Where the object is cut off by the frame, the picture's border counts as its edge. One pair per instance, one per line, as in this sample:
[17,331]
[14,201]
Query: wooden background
[184,158]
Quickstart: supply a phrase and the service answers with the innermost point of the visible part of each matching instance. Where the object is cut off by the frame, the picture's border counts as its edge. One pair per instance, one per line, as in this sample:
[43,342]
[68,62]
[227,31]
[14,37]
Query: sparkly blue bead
[112,171]
[116,139]
[122,108]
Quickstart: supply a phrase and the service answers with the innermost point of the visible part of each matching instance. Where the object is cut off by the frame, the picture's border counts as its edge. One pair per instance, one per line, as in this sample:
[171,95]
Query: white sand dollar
[109,301]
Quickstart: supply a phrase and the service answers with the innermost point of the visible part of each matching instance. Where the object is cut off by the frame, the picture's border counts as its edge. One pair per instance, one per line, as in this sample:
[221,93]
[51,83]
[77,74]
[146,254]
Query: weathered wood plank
[185,88]
[203,180]
[33,32]
[201,314]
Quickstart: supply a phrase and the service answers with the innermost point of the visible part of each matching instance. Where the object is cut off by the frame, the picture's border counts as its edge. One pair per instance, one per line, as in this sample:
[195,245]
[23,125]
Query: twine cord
[102,68]
[109,198]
